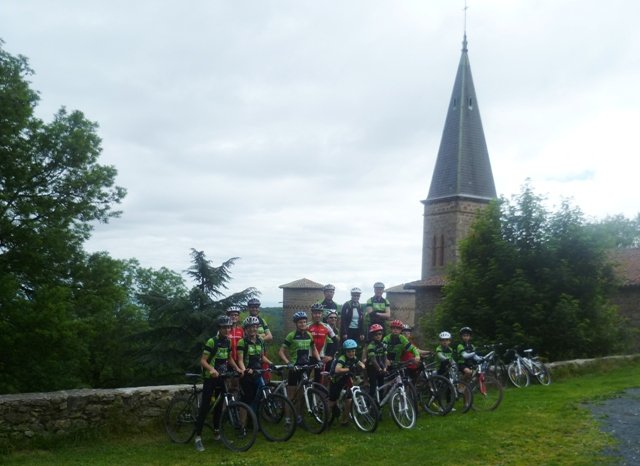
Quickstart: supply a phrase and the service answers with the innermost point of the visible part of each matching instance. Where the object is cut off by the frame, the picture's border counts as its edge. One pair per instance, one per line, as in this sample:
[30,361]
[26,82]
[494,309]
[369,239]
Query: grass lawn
[535,425]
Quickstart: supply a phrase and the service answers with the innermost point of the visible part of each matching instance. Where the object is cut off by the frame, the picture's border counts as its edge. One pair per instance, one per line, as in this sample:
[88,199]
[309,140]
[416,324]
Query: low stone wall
[586,362]
[28,415]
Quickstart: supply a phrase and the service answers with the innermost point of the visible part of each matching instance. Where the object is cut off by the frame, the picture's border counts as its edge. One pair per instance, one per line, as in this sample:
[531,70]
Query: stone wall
[298,299]
[28,415]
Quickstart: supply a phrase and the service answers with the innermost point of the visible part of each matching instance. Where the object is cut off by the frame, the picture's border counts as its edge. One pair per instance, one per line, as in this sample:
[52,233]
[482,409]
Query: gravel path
[620,417]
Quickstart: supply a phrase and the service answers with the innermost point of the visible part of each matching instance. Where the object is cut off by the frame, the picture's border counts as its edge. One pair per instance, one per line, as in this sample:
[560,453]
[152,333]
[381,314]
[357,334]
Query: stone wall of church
[628,301]
[426,301]
[403,306]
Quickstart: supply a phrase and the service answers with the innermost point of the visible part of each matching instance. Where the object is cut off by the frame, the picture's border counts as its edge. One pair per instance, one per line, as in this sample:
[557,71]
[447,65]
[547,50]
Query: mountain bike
[497,366]
[436,393]
[275,412]
[487,390]
[520,368]
[364,410]
[463,390]
[238,423]
[311,404]
[396,394]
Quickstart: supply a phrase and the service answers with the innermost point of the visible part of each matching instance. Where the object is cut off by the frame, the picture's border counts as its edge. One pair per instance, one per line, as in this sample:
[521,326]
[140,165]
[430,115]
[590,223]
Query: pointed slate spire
[463,168]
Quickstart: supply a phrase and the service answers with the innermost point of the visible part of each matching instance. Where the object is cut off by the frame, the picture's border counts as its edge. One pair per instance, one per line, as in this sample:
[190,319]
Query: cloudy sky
[301,135]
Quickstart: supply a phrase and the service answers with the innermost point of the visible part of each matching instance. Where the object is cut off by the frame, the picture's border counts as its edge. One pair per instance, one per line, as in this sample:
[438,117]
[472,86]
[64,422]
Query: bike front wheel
[277,418]
[518,375]
[487,393]
[238,426]
[436,395]
[314,411]
[464,397]
[180,419]
[403,410]
[542,373]
[364,411]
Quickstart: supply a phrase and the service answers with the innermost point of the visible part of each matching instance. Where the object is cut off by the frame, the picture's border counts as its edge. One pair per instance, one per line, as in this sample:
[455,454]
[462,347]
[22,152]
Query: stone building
[299,295]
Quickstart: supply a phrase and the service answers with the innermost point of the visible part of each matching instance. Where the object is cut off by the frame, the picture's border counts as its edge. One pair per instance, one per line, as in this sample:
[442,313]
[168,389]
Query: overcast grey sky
[301,135]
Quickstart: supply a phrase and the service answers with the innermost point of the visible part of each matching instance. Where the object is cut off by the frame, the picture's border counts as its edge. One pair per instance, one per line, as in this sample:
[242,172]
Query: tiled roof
[437,282]
[304,283]
[399,289]
[627,265]
[463,167]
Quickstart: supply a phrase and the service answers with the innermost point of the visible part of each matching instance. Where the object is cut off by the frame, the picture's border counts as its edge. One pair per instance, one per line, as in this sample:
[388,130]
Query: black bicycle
[238,423]
[276,414]
[436,393]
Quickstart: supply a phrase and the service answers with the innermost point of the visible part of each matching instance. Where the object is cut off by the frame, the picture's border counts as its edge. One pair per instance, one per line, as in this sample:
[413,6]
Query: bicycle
[364,410]
[497,366]
[436,393]
[274,412]
[238,423]
[522,366]
[463,389]
[402,407]
[487,390]
[311,405]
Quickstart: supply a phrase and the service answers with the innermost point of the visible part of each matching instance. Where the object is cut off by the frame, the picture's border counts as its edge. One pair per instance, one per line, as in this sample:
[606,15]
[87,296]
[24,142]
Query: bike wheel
[464,397]
[180,419]
[402,410]
[277,418]
[518,375]
[314,411]
[499,371]
[487,393]
[542,373]
[321,388]
[364,411]
[436,395]
[238,426]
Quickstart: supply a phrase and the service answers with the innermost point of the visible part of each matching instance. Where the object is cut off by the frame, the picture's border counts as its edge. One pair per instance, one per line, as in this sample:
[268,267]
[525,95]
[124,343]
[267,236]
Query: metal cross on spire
[464,42]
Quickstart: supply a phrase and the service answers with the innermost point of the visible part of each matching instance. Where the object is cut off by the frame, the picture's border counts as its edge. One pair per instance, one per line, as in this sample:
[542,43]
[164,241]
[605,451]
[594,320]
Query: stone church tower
[461,186]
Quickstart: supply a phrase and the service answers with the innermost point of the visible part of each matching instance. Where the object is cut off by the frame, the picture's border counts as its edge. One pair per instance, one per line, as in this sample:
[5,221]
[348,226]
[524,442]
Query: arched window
[441,250]
[434,251]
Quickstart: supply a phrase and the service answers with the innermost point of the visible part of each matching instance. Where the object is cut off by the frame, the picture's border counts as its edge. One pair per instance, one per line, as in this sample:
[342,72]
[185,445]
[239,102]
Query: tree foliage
[531,277]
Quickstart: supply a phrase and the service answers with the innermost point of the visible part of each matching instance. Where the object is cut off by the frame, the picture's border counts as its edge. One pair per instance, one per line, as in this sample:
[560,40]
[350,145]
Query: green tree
[527,276]
[52,189]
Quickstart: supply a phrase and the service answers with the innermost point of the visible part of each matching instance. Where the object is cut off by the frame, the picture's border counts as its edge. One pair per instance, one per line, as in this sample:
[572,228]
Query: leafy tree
[527,276]
[617,231]
[51,190]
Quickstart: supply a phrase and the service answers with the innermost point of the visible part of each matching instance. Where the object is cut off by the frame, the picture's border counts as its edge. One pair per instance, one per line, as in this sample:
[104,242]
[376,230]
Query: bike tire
[180,419]
[436,395]
[402,410]
[238,426]
[518,375]
[277,418]
[487,393]
[314,411]
[464,397]
[499,371]
[321,388]
[542,373]
[364,411]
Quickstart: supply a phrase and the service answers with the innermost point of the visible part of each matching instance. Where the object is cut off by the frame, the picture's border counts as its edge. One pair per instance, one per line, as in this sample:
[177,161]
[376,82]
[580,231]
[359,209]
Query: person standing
[322,334]
[378,310]
[328,303]
[352,318]
[253,306]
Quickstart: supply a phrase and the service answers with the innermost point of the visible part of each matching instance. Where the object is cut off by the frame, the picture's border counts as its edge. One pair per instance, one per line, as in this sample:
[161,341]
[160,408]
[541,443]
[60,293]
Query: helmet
[224,321]
[332,313]
[444,336]
[349,344]
[253,302]
[378,285]
[466,330]
[356,290]
[232,309]
[407,328]
[317,307]
[329,287]
[396,323]
[299,316]
[375,328]
[249,321]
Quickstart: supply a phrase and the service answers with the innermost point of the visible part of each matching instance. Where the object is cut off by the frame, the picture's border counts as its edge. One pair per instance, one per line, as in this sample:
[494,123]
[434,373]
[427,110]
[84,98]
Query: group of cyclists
[339,340]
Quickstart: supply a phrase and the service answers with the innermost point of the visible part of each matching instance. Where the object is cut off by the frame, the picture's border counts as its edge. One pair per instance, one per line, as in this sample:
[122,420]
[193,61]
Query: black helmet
[224,321]
[317,307]
[466,330]
[253,302]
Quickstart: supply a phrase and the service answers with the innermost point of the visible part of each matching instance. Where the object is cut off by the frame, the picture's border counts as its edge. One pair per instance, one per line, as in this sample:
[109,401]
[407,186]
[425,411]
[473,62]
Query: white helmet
[445,336]
[356,290]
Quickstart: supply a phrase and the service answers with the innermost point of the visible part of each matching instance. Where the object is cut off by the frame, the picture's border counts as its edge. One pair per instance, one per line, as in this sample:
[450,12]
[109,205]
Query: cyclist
[235,335]
[397,344]
[345,363]
[378,309]
[322,333]
[298,346]
[251,357]
[328,303]
[466,352]
[409,355]
[352,318]
[444,352]
[376,359]
[216,355]
[253,306]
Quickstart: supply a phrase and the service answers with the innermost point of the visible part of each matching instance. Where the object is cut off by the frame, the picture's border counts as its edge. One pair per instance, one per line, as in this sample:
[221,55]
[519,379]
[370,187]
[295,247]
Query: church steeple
[463,168]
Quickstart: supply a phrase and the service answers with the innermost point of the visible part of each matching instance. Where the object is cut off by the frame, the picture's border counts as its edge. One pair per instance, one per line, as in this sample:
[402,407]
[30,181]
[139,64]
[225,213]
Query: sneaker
[299,419]
[199,445]
[216,434]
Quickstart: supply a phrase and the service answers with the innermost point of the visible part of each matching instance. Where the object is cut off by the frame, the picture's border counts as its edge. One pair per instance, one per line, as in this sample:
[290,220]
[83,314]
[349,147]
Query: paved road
[620,417]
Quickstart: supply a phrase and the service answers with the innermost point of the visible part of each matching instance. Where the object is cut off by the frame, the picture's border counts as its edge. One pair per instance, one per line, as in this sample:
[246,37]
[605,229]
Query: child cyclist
[215,358]
[467,357]
[297,347]
[412,368]
[322,334]
[444,352]
[376,359]
[345,364]
[251,357]
[397,344]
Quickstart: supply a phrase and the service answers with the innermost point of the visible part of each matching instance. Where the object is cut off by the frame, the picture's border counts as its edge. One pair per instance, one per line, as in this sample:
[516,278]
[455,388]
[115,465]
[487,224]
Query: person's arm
[341,368]
[267,335]
[283,353]
[386,315]
[241,360]
[204,363]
